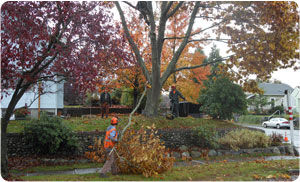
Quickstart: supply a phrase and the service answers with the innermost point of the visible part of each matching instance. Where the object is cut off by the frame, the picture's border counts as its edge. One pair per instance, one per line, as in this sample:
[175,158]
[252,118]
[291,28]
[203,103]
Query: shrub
[280,108]
[244,139]
[92,99]
[127,98]
[276,139]
[207,135]
[222,98]
[50,135]
[22,112]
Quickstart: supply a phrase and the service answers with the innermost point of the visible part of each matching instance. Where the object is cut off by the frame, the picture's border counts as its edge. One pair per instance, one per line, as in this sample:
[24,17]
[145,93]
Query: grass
[98,124]
[58,167]
[222,171]
[16,126]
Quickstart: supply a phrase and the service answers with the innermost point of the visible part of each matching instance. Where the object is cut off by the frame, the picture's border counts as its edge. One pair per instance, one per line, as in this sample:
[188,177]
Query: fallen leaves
[276,176]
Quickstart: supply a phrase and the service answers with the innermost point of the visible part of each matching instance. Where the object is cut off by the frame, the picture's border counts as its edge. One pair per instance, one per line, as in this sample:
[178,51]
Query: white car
[277,122]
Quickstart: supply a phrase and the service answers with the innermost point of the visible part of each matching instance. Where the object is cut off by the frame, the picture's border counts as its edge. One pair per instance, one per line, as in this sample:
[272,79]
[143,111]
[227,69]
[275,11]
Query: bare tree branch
[178,52]
[218,40]
[131,42]
[202,30]
[201,65]
[128,3]
[175,9]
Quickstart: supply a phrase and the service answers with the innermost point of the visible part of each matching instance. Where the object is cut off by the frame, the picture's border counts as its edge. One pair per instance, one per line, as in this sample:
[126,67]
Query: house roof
[275,88]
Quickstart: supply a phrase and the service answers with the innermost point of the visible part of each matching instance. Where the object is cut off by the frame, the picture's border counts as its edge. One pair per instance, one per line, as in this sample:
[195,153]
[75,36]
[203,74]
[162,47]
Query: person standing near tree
[174,96]
[105,101]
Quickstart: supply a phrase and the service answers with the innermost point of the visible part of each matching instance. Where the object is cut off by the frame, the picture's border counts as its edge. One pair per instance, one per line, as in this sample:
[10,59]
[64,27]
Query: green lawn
[222,171]
[87,124]
[58,167]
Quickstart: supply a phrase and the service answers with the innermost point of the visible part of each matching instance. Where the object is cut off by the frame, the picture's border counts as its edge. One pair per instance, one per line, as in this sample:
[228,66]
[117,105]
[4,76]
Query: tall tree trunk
[18,93]
[4,159]
[152,103]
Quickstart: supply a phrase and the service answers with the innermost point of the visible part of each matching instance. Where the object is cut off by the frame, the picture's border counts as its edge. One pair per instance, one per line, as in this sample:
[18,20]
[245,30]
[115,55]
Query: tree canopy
[47,41]
[262,37]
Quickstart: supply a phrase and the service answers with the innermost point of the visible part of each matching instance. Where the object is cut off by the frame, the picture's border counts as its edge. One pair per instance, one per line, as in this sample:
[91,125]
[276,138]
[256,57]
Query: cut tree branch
[134,110]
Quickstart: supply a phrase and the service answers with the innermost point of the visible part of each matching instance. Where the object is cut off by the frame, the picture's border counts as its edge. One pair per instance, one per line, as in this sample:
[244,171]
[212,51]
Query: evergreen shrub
[207,135]
[50,135]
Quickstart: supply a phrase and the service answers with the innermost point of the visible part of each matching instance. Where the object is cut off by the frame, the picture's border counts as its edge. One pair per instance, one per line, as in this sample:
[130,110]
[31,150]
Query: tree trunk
[4,159]
[18,93]
[152,103]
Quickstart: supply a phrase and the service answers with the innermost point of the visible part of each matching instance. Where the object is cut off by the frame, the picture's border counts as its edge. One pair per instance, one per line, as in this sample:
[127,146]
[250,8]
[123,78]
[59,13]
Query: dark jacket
[105,99]
[175,97]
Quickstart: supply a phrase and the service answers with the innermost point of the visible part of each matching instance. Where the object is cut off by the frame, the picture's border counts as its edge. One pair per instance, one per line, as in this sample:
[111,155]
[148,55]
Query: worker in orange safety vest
[111,138]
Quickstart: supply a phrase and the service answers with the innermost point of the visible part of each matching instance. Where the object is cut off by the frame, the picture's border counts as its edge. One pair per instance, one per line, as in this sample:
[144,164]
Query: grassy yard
[99,124]
[221,171]
[57,168]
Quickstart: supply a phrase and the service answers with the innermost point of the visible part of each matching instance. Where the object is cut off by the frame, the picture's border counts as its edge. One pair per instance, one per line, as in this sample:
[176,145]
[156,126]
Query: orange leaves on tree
[132,76]
[190,82]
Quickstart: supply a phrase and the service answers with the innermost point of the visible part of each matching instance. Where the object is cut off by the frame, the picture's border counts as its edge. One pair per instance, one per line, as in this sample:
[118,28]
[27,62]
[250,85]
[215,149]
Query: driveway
[269,131]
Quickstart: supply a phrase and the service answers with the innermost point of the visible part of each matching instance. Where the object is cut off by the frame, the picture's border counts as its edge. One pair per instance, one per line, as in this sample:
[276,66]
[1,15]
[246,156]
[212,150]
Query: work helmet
[114,120]
[173,86]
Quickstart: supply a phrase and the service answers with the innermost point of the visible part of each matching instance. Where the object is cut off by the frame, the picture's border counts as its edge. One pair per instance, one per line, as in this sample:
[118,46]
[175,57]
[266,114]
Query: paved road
[269,131]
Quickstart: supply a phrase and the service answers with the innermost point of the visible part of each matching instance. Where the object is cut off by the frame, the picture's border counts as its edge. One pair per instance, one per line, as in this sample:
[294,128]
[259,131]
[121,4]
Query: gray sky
[288,76]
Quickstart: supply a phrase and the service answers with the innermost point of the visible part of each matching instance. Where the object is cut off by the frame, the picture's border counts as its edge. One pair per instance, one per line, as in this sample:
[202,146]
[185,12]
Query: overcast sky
[288,76]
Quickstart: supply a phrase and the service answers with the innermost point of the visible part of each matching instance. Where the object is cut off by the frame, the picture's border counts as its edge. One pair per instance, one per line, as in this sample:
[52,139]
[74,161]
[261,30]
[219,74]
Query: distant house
[274,93]
[51,101]
[295,100]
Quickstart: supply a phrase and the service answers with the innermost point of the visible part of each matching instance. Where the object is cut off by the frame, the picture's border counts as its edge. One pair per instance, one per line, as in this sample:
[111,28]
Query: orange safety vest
[108,143]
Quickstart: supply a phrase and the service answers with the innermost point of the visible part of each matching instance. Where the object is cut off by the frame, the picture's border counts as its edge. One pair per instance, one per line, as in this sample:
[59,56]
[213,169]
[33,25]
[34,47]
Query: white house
[274,92]
[294,99]
[51,101]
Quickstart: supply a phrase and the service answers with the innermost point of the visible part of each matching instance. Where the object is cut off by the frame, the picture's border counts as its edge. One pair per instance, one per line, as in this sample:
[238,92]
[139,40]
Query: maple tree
[189,82]
[131,76]
[47,41]
[263,36]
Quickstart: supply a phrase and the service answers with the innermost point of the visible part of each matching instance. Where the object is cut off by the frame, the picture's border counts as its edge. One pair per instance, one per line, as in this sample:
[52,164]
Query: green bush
[127,98]
[207,135]
[91,99]
[222,98]
[50,135]
[280,108]
[244,139]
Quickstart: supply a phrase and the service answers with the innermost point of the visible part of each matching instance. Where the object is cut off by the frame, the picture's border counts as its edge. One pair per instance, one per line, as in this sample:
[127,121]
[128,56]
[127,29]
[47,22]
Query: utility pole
[290,116]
